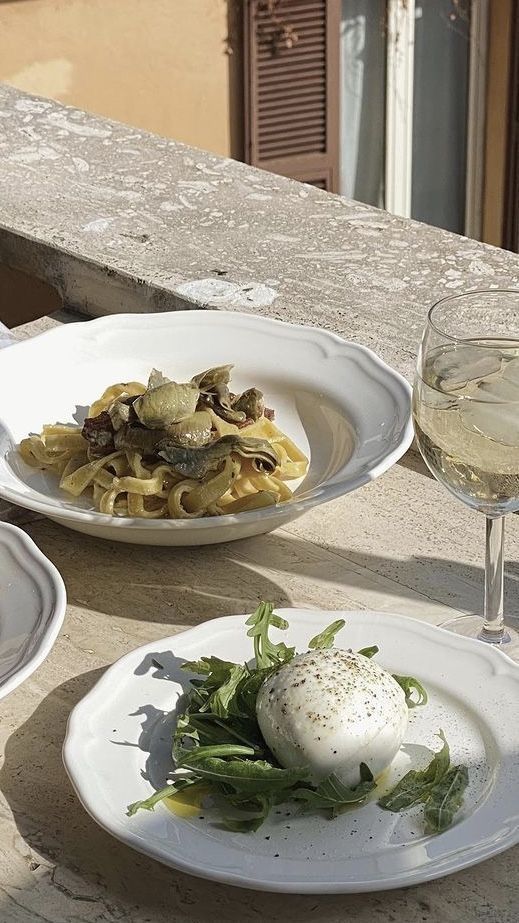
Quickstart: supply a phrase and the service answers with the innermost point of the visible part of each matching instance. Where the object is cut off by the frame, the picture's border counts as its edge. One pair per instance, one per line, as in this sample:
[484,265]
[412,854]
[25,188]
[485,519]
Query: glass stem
[494,627]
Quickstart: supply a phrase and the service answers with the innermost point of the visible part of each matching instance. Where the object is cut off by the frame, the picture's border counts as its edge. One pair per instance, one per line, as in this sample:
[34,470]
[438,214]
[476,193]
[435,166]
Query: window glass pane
[363,89]
[441,68]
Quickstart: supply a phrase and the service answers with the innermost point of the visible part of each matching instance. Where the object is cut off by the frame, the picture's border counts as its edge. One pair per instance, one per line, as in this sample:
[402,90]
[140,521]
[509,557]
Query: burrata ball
[331,710]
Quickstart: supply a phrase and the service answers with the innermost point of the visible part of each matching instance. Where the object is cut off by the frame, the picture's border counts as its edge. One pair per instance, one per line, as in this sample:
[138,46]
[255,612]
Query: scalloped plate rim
[26,553]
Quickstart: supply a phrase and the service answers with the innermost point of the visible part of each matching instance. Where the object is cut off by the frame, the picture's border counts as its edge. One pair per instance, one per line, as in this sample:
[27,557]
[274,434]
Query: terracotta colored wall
[157,64]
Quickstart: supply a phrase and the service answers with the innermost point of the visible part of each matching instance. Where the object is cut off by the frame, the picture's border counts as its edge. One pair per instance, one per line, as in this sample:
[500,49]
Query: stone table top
[370,549]
[121,220]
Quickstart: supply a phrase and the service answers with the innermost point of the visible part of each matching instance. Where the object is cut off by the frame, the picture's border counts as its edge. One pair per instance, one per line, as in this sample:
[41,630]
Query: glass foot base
[471,626]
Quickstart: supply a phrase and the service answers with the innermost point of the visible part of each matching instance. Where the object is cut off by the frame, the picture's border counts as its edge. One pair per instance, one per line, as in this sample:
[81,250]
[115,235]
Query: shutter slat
[289,118]
[281,66]
[292,93]
[307,72]
[313,136]
[287,151]
[270,99]
[305,40]
[295,130]
[296,16]
[310,87]
[310,35]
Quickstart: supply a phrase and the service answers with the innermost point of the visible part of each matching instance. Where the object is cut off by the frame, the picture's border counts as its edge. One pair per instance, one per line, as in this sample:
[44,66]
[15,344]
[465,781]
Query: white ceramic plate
[117,750]
[341,404]
[32,607]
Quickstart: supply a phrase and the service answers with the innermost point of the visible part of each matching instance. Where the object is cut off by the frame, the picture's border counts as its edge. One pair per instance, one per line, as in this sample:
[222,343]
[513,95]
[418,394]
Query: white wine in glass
[466,418]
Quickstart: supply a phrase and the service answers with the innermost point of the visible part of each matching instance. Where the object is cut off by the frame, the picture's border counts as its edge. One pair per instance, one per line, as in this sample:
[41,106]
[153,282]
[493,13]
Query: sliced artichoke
[214,393]
[212,378]
[250,403]
[167,404]
[138,439]
[156,379]
[120,413]
[195,463]
[193,431]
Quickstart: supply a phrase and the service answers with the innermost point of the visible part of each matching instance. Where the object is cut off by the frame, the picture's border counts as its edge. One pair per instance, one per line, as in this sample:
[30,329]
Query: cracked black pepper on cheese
[330,710]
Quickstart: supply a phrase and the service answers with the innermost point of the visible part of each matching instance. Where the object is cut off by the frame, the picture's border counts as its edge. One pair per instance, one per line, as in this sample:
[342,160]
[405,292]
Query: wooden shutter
[511,228]
[292,94]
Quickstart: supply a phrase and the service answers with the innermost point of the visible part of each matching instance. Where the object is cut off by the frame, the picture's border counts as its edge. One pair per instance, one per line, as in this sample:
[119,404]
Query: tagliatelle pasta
[167,450]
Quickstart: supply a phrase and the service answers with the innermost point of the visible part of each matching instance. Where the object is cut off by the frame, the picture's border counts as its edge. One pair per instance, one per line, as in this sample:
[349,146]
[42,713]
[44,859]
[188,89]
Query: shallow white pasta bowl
[344,407]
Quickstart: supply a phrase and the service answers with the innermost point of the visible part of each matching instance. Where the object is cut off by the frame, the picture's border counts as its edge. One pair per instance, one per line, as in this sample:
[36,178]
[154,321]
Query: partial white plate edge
[29,550]
[75,728]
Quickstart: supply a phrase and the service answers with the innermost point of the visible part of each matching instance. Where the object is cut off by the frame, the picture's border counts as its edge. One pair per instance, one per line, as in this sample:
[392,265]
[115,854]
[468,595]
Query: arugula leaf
[183,731]
[212,729]
[326,638]
[248,689]
[204,737]
[243,813]
[412,789]
[445,799]
[191,758]
[412,687]
[208,730]
[332,795]
[415,787]
[247,775]
[217,693]
[210,666]
[222,699]
[369,651]
[266,653]
[173,788]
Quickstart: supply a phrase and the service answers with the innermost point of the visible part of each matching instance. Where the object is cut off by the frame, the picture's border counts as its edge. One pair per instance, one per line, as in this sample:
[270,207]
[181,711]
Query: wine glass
[466,420]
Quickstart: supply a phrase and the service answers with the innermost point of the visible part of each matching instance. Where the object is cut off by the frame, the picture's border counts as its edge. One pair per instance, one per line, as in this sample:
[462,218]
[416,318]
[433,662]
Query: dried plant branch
[279,32]
[283,35]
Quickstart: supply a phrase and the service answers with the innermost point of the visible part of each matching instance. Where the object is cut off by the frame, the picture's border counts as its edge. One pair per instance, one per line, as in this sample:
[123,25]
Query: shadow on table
[91,866]
[180,586]
[188,585]
[185,586]
[447,582]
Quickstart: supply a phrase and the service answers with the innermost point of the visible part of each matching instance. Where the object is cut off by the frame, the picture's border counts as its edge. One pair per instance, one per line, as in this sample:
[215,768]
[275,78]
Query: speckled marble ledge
[121,220]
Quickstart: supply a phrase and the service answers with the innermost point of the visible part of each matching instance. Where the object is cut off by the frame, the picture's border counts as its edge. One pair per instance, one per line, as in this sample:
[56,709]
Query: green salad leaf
[173,788]
[440,787]
[445,799]
[266,653]
[223,701]
[326,638]
[244,813]
[212,730]
[415,694]
[212,667]
[415,787]
[246,775]
[217,692]
[249,688]
[197,756]
[369,651]
[333,796]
